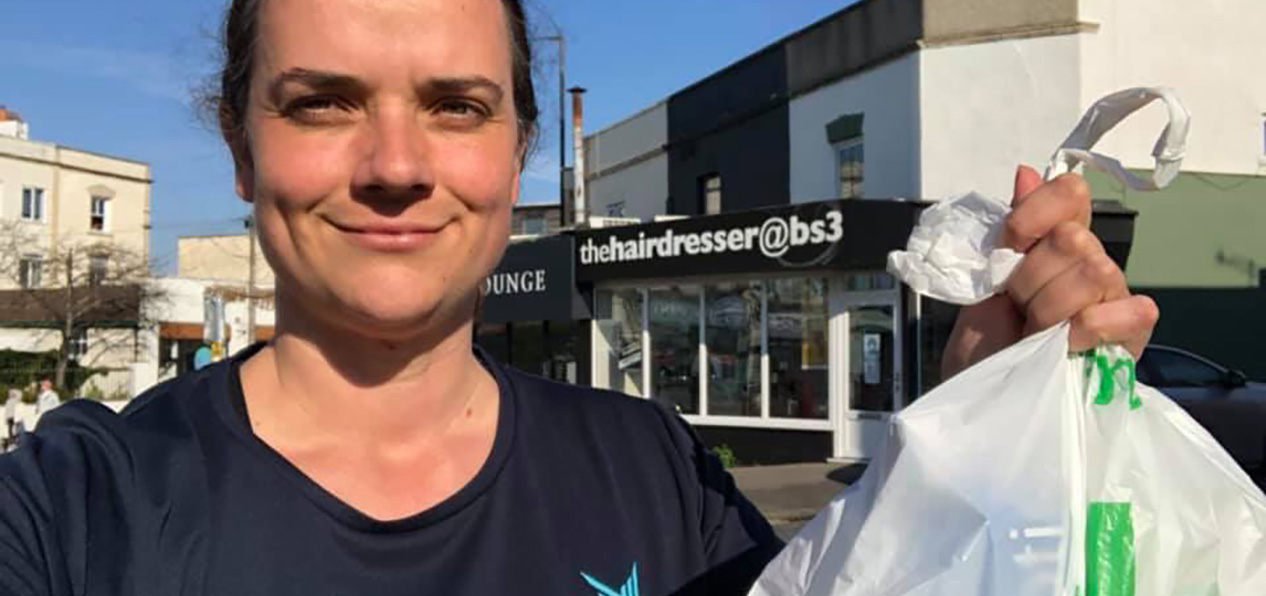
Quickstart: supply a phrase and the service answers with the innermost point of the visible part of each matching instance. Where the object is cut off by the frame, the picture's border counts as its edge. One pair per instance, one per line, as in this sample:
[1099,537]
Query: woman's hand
[1065,275]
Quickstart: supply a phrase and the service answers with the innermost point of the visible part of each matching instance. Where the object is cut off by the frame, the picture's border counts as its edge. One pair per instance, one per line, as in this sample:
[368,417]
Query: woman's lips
[389,237]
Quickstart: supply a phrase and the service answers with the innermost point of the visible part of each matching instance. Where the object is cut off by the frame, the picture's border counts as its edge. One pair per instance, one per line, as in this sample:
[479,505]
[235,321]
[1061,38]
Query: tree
[76,287]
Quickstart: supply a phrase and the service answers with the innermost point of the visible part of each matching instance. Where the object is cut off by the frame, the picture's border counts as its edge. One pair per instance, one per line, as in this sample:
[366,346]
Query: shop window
[97,217]
[30,269]
[98,267]
[620,325]
[733,340]
[850,160]
[674,329]
[78,344]
[710,194]
[33,203]
[561,338]
[796,324]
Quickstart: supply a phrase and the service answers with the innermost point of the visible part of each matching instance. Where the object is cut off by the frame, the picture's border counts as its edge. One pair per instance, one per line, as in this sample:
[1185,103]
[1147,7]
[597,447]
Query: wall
[888,98]
[224,258]
[976,19]
[733,123]
[639,190]
[625,163]
[987,107]
[1181,230]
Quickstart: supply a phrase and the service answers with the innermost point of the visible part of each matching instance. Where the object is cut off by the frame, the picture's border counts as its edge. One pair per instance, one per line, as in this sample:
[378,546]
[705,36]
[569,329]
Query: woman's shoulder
[568,414]
[87,437]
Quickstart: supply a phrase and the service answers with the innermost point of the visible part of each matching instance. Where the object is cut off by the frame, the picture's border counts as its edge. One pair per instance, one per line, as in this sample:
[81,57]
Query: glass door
[871,376]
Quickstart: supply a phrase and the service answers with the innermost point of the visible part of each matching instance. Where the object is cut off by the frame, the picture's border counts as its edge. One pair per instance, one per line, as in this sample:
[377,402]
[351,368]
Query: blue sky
[115,77]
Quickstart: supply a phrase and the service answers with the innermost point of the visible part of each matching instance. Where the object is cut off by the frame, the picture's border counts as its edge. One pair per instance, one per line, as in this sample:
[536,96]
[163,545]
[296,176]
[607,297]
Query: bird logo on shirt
[629,588]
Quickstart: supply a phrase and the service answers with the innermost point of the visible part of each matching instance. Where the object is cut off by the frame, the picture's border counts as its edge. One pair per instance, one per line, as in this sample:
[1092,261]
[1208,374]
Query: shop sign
[534,282]
[830,234]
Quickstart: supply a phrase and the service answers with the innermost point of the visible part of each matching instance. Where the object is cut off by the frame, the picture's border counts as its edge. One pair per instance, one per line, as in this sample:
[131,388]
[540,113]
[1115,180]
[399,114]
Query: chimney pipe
[580,212]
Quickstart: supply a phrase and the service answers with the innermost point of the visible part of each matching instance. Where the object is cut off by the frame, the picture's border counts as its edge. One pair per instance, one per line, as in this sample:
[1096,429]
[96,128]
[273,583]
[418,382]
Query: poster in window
[871,352]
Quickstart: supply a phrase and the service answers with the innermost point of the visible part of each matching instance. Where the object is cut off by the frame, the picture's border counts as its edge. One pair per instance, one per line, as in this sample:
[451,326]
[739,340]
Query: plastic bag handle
[1106,113]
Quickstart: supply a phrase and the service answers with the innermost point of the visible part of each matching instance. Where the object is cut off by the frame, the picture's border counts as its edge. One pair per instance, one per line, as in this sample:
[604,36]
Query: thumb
[1026,181]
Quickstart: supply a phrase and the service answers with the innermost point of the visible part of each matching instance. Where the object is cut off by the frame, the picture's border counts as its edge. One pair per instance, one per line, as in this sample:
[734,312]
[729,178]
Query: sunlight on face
[383,156]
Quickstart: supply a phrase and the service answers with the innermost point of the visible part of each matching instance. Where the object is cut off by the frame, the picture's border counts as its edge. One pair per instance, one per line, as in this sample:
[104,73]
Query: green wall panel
[1203,230]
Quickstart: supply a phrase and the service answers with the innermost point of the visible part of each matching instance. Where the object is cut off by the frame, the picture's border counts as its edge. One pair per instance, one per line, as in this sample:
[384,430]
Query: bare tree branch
[82,286]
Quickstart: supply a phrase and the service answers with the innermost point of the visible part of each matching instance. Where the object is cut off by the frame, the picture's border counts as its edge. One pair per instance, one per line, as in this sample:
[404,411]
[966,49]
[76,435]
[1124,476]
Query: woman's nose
[395,163]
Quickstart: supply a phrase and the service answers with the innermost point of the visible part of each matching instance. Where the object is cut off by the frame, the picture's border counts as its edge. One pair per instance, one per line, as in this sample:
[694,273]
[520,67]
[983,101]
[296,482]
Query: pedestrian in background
[369,447]
[47,399]
[11,402]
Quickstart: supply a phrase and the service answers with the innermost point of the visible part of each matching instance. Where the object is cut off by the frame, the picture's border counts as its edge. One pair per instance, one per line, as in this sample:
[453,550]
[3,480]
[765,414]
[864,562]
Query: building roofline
[772,46]
[64,147]
[642,112]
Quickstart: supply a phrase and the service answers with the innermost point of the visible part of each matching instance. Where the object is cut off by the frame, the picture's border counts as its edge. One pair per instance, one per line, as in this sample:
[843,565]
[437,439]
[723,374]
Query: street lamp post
[562,122]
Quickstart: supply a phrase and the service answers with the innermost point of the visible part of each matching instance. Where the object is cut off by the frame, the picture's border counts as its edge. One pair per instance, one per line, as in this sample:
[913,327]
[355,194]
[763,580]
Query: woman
[369,449]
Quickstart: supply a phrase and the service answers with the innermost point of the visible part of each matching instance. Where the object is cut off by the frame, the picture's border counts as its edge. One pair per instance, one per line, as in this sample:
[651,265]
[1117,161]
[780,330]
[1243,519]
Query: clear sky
[116,77]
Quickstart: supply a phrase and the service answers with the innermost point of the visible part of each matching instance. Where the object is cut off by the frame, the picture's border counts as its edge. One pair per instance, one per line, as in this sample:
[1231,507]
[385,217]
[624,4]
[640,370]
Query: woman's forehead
[394,38]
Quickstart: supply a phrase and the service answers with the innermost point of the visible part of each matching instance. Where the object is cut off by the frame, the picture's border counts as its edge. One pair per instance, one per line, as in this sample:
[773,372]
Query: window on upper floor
[850,160]
[30,269]
[97,217]
[32,203]
[710,194]
[534,224]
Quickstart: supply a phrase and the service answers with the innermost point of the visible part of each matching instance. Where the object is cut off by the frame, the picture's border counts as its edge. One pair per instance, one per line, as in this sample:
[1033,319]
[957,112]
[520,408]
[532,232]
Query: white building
[939,97]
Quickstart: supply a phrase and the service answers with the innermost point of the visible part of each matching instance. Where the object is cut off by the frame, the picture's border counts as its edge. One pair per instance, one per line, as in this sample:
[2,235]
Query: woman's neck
[315,383]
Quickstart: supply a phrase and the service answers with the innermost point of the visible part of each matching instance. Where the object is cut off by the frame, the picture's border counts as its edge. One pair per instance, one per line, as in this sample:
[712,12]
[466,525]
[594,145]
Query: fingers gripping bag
[1035,472]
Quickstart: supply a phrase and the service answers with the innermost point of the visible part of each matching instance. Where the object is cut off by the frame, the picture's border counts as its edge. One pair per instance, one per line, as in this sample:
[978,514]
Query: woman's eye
[465,110]
[316,108]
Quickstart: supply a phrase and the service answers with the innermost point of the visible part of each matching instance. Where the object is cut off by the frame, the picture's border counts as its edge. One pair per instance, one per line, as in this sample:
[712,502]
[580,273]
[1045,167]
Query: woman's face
[382,156]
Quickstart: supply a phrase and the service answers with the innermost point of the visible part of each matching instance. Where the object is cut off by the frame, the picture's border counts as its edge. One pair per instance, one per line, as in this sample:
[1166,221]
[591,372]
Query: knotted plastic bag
[1035,472]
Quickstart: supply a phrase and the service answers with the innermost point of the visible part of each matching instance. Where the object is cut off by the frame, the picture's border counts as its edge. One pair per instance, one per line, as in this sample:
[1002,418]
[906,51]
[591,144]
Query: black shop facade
[776,332]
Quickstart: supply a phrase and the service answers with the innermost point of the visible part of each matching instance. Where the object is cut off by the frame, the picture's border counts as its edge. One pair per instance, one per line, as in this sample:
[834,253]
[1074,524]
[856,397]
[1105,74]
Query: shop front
[533,316]
[775,332]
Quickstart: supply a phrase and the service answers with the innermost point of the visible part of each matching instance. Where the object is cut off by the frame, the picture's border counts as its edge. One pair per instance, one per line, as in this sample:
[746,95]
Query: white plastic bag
[1035,472]
[1029,474]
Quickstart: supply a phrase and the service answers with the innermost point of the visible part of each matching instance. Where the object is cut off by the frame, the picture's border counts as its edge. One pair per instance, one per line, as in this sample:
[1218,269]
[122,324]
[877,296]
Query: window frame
[534,218]
[857,186]
[705,411]
[98,269]
[32,208]
[707,193]
[1159,370]
[93,215]
[27,264]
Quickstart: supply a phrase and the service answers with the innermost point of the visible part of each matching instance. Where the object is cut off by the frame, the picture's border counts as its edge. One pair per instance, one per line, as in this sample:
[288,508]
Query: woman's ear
[243,166]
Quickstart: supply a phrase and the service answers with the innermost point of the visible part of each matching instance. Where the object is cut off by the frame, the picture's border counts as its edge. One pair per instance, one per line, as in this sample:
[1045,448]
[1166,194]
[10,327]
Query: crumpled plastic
[1035,472]
[954,255]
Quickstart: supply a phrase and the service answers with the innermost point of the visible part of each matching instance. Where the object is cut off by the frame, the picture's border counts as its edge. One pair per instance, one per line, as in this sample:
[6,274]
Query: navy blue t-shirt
[585,492]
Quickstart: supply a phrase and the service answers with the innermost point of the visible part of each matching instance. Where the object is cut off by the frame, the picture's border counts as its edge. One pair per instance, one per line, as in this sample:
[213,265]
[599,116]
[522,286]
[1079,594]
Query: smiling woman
[369,447]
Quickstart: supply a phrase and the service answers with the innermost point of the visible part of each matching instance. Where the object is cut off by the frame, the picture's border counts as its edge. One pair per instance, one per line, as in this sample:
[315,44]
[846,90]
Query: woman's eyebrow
[461,85]
[319,80]
[328,81]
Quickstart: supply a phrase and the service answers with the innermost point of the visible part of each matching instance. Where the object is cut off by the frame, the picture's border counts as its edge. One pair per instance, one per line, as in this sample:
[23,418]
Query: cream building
[223,258]
[59,204]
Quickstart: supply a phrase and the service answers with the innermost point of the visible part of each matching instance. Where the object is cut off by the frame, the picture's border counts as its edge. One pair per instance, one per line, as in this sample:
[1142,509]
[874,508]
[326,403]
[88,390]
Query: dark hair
[232,93]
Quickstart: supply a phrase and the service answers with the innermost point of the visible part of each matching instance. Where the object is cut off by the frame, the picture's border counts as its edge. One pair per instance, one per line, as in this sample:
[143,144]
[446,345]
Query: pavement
[790,495]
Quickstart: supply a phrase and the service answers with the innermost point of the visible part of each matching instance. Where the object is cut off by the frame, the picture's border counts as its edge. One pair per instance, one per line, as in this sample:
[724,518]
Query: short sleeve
[738,541]
[56,489]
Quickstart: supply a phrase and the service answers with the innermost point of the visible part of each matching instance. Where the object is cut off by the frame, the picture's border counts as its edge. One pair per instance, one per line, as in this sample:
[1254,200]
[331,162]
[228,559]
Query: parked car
[1224,401]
